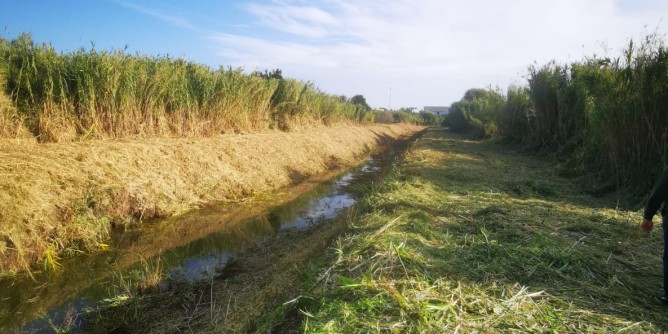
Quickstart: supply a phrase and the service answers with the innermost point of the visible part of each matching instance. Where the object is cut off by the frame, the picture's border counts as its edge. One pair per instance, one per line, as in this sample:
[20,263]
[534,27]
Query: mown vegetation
[602,115]
[471,237]
[109,94]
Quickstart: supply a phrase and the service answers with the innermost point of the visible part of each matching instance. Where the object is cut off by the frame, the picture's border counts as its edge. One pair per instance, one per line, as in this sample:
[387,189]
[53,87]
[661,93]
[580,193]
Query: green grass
[471,237]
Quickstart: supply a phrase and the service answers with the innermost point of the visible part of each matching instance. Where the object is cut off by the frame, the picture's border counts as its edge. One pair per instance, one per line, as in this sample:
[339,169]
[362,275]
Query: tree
[477,112]
[430,119]
[360,101]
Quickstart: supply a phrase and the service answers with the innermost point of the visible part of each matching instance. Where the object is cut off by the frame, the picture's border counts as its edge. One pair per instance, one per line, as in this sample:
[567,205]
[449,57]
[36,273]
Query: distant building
[441,111]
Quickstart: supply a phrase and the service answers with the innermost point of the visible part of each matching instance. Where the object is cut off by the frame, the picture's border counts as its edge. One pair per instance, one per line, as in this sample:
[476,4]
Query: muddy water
[185,247]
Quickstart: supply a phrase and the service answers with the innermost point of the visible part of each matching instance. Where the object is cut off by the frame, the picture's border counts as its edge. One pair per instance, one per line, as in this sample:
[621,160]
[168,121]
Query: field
[487,235]
[463,236]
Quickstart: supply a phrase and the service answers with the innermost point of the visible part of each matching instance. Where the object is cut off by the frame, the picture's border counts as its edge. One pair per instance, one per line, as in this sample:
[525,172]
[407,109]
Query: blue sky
[408,53]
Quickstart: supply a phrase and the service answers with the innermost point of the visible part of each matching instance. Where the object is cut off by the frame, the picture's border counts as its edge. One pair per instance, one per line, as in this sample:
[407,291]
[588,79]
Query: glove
[646,225]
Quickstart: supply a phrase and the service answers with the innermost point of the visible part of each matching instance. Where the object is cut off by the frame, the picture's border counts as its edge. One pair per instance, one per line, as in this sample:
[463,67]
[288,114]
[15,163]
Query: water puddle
[186,247]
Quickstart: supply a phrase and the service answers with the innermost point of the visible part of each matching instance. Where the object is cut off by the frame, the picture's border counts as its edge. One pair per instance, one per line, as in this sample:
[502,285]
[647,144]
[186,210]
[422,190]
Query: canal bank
[185,245]
[61,199]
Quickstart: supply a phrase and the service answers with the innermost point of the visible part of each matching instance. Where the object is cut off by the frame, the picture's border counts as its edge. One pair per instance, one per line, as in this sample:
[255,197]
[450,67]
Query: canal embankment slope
[62,198]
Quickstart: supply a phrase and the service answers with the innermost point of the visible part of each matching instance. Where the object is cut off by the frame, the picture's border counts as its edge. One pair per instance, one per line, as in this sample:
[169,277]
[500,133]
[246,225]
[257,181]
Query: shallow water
[186,247]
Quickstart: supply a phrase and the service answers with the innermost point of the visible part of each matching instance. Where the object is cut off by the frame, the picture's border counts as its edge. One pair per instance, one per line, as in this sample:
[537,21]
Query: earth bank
[62,198]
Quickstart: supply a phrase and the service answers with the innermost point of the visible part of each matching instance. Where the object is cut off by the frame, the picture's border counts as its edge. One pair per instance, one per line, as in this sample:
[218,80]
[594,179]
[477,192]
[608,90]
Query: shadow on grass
[463,166]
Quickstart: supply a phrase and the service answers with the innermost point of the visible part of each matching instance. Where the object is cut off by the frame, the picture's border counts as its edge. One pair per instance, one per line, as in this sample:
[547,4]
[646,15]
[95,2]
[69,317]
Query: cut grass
[470,237]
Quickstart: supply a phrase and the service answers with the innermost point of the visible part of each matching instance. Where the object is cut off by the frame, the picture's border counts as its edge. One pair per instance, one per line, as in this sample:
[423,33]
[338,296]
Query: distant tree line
[407,115]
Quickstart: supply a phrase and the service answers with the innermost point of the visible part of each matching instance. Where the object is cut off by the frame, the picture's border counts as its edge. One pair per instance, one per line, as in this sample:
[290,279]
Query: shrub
[476,112]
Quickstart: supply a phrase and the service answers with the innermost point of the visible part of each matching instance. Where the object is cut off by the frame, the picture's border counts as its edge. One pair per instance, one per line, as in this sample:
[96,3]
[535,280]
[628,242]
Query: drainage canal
[185,247]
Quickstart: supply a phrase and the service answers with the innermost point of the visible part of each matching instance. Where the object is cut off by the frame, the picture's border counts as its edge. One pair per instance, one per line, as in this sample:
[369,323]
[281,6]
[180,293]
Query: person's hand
[646,225]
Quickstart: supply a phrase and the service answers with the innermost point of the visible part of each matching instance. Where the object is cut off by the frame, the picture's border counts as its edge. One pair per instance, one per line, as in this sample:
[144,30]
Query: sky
[397,53]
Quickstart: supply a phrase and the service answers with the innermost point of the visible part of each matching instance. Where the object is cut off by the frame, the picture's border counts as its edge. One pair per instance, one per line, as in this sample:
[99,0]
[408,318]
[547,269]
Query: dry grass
[60,197]
[142,245]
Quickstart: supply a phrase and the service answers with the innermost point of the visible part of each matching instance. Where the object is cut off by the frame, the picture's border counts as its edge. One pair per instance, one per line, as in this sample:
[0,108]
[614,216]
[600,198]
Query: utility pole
[390,100]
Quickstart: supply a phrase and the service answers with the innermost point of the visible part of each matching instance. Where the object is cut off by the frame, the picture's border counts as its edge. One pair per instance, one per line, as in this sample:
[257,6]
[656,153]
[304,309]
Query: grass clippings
[471,237]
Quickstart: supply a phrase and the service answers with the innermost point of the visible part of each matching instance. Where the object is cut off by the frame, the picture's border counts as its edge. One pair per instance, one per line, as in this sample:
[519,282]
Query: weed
[68,323]
[51,258]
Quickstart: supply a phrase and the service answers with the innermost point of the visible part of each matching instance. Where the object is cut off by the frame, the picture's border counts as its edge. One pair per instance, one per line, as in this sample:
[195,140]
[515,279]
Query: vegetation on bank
[602,115]
[467,236]
[110,94]
[62,199]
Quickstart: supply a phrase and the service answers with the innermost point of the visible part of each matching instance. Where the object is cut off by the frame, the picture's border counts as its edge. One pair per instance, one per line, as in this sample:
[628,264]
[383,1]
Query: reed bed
[11,123]
[604,116]
[89,94]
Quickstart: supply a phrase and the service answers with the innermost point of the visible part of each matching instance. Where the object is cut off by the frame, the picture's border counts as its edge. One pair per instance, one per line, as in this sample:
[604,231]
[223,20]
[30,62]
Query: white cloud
[252,53]
[307,21]
[428,51]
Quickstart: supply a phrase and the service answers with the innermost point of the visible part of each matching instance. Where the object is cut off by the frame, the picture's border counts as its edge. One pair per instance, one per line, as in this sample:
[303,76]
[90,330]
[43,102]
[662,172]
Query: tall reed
[516,115]
[111,94]
[608,115]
